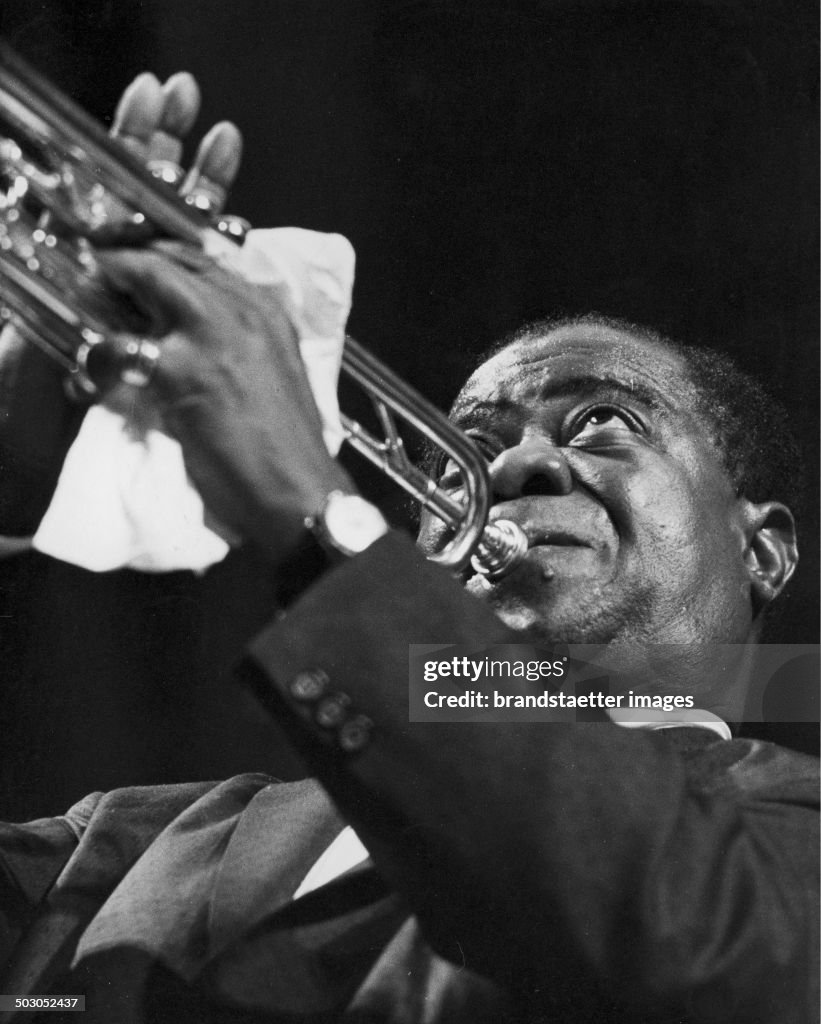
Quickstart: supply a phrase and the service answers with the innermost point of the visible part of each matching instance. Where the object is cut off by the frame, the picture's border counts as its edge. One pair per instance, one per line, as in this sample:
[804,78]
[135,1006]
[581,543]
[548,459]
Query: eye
[450,475]
[486,446]
[604,423]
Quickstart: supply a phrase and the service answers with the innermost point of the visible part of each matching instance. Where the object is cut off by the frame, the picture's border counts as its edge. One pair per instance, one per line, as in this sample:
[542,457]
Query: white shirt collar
[654,719]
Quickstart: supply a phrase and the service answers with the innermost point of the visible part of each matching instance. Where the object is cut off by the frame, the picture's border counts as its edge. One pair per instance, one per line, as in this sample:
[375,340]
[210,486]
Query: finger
[168,293]
[139,113]
[215,168]
[181,105]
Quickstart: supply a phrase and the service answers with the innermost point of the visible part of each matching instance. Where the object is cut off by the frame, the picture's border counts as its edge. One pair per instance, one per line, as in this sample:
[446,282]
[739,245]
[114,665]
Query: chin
[559,610]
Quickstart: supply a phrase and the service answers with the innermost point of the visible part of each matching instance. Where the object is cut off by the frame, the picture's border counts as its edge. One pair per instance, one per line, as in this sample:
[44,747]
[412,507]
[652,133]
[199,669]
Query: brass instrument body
[71,188]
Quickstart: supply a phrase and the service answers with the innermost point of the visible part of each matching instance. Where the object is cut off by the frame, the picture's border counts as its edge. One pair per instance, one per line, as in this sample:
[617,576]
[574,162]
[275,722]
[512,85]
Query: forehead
[576,355]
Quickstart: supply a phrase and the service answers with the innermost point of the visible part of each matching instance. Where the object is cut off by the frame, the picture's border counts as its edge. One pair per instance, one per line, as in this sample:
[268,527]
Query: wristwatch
[346,525]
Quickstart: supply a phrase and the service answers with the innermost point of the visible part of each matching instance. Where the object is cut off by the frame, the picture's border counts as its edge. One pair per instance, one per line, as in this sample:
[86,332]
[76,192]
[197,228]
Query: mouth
[541,533]
[540,537]
[550,551]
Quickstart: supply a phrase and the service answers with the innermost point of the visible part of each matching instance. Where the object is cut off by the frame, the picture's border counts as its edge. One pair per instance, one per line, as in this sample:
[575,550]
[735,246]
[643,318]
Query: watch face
[351,523]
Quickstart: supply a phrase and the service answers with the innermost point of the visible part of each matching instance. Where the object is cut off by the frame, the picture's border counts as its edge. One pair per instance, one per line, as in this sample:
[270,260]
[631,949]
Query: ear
[771,550]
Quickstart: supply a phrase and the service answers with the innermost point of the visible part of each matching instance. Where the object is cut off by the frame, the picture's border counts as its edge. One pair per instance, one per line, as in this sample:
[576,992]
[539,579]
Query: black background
[491,162]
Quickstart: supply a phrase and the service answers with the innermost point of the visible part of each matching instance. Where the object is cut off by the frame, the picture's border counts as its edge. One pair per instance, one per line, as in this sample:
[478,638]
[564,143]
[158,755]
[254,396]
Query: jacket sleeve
[565,861]
[32,855]
[56,873]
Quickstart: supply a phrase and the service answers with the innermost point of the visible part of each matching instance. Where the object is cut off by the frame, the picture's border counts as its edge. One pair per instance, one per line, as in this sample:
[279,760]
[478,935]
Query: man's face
[594,449]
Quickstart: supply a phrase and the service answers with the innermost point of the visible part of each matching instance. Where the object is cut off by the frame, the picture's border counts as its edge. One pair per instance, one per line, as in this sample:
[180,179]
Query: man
[559,872]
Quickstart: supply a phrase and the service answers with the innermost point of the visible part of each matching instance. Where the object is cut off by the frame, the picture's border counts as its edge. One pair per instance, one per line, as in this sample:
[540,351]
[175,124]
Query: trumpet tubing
[70,187]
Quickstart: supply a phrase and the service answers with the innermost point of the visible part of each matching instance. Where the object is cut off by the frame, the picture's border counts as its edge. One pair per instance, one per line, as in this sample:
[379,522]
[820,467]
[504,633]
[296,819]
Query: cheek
[676,528]
[645,504]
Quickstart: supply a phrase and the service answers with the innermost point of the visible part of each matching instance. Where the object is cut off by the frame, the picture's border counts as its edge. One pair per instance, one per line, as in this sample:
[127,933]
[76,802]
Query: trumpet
[68,185]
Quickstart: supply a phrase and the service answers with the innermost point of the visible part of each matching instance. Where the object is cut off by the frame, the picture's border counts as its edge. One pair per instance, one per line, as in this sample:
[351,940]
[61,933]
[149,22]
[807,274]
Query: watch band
[302,568]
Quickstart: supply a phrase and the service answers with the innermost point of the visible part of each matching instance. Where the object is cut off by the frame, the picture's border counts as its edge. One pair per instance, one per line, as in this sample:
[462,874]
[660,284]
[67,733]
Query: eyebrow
[470,414]
[590,384]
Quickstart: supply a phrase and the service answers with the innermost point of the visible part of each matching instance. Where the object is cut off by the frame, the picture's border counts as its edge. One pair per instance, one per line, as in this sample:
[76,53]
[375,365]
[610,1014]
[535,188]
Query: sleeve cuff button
[308,685]
[332,711]
[355,734]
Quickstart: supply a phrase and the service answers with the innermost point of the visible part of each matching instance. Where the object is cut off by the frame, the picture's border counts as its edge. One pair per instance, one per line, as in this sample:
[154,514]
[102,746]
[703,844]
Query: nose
[534,466]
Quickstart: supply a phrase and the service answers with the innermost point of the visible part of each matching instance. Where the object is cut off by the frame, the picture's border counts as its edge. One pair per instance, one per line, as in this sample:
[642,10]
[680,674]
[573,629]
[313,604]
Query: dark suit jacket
[560,873]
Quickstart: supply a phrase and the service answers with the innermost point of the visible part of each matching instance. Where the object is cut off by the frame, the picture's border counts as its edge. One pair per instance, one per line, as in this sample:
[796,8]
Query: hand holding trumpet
[225,372]
[205,347]
[230,386]
[228,382]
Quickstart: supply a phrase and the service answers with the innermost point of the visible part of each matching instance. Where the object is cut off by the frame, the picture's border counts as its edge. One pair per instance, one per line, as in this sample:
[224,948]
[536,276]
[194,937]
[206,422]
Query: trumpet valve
[233,227]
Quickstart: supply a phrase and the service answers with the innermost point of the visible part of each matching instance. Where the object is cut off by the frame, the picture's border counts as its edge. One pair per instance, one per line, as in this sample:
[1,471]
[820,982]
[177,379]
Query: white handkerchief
[123,497]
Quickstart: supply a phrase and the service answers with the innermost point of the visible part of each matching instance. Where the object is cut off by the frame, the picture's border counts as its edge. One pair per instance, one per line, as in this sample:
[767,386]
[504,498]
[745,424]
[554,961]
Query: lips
[554,538]
[543,534]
